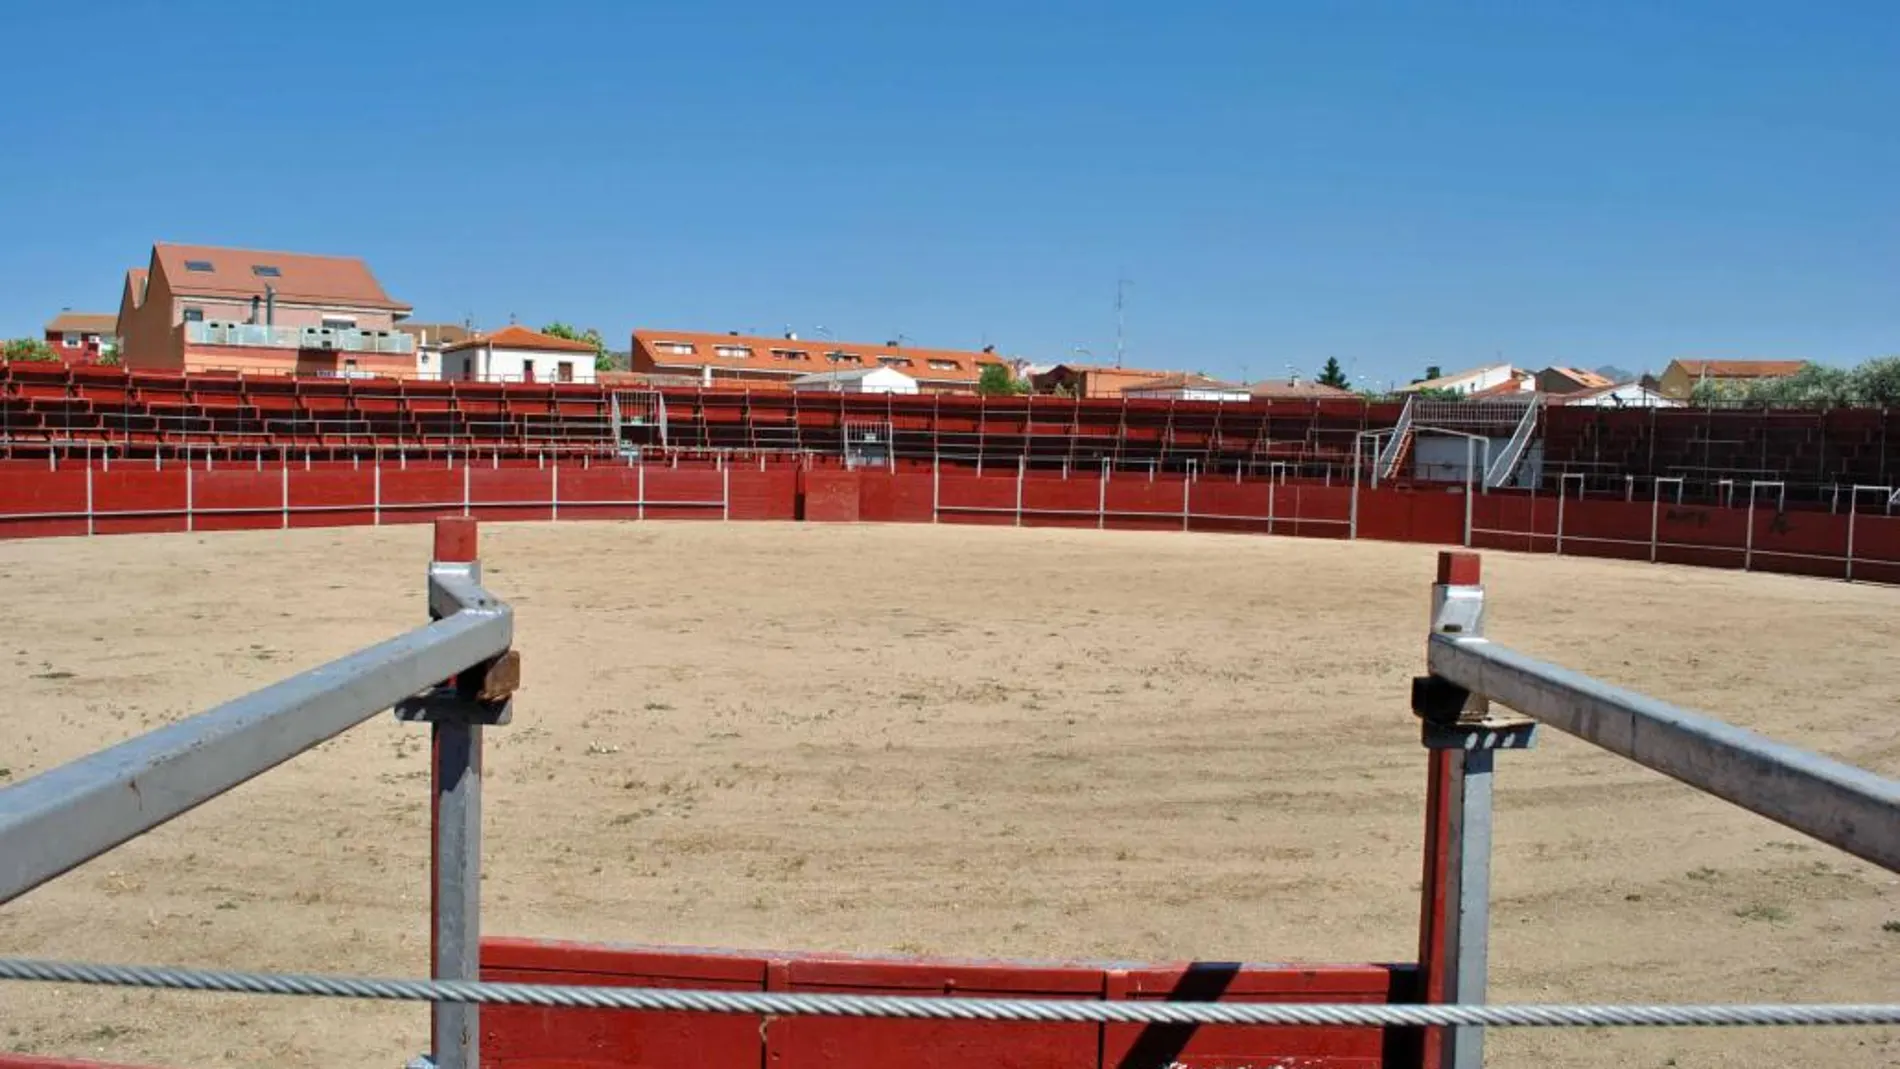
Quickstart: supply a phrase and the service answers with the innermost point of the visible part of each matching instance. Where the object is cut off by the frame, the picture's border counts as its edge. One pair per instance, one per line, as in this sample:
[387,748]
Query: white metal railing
[1401,434]
[1506,464]
[258,335]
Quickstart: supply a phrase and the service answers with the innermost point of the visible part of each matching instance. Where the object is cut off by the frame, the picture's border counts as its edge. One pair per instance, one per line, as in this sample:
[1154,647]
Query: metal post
[1470,458]
[1352,513]
[1187,485]
[191,520]
[283,492]
[1461,735]
[89,523]
[376,495]
[465,488]
[1272,483]
[640,490]
[936,489]
[455,859]
[1021,470]
[725,492]
[1781,502]
[1853,509]
[554,493]
[1101,498]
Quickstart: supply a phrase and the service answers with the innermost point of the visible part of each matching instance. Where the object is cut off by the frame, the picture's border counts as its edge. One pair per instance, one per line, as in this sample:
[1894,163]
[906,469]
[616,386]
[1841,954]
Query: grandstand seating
[53,407]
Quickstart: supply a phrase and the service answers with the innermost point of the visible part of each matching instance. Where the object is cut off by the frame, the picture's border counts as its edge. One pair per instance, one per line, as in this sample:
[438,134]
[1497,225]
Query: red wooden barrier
[829,497]
[533,1038]
[141,498]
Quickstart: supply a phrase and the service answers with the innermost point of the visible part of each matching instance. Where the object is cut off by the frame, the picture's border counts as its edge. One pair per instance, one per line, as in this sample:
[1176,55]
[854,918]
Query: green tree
[1877,382]
[997,381]
[1332,374]
[28,350]
[603,361]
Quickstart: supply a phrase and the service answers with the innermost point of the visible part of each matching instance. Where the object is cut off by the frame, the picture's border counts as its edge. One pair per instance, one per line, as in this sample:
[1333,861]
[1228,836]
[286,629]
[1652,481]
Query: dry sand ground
[1039,743]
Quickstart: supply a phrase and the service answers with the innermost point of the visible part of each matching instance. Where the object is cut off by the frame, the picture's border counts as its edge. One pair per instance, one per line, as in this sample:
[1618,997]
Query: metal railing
[1505,467]
[456,672]
[59,819]
[1836,803]
[258,335]
[1389,456]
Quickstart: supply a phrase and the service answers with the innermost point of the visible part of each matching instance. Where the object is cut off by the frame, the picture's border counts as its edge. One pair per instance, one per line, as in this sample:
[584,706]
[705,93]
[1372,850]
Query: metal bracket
[1513,736]
[1455,719]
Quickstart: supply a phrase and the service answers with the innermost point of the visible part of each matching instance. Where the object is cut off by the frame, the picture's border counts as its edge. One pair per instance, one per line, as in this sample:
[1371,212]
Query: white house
[1624,395]
[430,340]
[517,354]
[1185,386]
[862,380]
[1475,380]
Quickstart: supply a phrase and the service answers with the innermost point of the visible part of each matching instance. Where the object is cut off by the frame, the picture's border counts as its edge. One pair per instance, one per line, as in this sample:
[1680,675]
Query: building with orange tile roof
[206,308]
[1680,378]
[741,360]
[517,354]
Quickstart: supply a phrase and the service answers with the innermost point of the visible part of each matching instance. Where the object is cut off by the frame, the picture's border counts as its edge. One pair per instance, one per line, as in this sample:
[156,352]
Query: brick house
[200,308]
[83,337]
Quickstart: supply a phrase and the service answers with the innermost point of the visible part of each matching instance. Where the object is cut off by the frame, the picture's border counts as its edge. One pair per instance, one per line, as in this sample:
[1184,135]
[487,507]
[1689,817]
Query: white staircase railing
[1395,448]
[1504,468]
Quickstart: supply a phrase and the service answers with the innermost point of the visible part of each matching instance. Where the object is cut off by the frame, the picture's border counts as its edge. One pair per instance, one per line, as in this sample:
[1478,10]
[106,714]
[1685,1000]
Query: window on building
[69,339]
[92,339]
[564,371]
[732,352]
[790,354]
[673,348]
[198,265]
[838,356]
[266,271]
[339,323]
[894,361]
[194,315]
[943,365]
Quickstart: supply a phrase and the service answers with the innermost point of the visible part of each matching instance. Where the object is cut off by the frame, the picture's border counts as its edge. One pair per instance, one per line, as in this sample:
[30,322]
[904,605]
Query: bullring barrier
[459,674]
[1856,538]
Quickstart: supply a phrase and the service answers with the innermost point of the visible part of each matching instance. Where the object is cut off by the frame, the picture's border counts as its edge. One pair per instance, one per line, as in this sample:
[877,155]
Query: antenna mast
[1120,320]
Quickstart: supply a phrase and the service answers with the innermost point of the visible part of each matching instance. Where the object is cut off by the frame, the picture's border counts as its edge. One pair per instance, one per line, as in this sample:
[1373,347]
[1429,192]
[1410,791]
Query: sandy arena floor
[1034,743]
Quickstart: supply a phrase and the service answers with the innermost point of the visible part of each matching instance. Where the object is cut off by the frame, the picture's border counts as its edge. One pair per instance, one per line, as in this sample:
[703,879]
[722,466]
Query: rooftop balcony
[319,338]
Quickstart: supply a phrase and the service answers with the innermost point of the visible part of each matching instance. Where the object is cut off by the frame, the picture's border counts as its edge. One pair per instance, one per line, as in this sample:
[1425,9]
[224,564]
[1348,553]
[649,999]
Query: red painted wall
[532,1038]
[140,497]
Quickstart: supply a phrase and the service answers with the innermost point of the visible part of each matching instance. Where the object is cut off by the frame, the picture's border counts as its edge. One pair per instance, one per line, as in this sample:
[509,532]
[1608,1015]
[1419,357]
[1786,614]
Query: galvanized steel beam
[67,816]
[1841,805]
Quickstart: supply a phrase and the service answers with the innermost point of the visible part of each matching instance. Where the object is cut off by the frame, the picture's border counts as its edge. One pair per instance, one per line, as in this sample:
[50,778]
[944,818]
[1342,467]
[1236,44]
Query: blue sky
[1399,184]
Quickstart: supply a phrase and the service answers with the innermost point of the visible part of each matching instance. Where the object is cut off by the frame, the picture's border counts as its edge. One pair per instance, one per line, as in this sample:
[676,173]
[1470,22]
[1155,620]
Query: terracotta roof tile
[516,337]
[1181,380]
[1288,390]
[1589,380]
[924,365]
[84,323]
[210,271]
[1741,369]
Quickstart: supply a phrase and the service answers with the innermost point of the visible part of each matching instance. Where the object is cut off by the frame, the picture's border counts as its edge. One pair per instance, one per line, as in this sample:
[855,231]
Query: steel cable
[935,1008]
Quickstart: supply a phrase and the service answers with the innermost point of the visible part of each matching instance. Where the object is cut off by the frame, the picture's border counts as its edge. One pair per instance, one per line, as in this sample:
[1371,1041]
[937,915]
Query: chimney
[791,335]
[270,305]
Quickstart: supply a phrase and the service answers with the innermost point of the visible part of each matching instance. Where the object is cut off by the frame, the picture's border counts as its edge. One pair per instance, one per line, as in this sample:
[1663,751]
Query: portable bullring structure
[511,1002]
